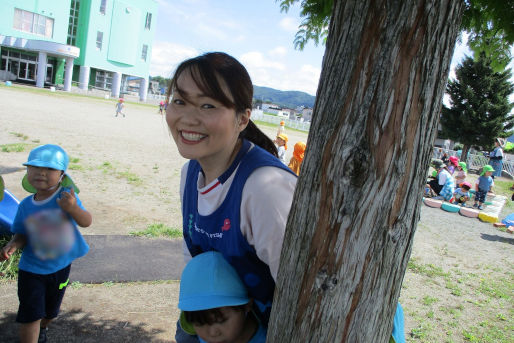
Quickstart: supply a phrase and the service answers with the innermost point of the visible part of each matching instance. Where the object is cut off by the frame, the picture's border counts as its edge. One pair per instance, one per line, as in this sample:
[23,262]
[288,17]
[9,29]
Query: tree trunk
[464,154]
[350,230]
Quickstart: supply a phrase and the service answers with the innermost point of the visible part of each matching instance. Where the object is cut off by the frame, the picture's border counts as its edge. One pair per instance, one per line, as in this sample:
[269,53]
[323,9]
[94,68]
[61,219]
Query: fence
[476,161]
[295,124]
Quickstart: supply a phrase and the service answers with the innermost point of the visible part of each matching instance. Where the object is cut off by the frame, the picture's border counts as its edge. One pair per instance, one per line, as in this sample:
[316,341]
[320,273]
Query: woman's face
[202,127]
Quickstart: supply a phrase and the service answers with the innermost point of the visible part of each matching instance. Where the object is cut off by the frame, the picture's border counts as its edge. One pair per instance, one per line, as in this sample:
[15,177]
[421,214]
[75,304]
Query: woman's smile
[192,137]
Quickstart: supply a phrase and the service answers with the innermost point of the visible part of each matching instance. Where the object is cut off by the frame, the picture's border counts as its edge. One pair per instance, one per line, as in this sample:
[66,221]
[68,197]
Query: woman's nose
[191,114]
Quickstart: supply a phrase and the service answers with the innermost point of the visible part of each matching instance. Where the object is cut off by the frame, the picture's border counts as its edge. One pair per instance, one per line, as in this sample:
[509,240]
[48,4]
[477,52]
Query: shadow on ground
[76,326]
[497,238]
[8,170]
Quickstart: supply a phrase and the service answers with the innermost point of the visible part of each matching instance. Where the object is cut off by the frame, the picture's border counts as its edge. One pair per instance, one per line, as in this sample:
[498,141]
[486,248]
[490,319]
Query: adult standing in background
[496,157]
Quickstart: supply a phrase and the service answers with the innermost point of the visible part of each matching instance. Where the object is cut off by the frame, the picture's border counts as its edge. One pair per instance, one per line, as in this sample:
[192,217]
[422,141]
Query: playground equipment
[8,208]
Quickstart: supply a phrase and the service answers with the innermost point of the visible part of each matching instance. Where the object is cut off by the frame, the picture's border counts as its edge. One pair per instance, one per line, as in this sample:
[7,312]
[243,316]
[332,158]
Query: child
[452,164]
[444,158]
[296,160]
[281,128]
[46,227]
[444,184]
[229,187]
[461,173]
[161,107]
[119,107]
[461,194]
[215,302]
[483,185]
[282,147]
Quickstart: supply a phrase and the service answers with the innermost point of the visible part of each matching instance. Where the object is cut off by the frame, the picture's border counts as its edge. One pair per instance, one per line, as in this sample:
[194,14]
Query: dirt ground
[128,172]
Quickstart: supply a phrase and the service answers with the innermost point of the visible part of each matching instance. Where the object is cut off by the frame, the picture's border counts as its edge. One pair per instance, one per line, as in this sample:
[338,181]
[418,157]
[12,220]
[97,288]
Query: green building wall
[124,34]
[49,8]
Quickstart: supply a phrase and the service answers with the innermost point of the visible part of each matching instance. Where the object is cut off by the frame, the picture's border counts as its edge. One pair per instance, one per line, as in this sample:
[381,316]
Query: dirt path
[128,170]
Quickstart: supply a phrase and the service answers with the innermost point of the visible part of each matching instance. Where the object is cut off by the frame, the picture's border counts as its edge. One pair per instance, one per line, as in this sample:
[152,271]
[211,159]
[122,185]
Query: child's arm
[68,203]
[18,241]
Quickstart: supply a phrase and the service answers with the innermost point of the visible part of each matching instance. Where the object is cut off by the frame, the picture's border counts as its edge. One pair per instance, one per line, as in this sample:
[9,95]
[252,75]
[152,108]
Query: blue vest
[220,231]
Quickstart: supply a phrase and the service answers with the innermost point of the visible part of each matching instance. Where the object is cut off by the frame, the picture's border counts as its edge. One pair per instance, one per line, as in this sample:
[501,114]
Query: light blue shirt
[53,240]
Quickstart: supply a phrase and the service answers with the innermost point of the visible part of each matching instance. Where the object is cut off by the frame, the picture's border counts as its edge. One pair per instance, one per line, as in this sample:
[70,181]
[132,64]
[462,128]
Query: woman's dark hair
[209,316]
[213,70]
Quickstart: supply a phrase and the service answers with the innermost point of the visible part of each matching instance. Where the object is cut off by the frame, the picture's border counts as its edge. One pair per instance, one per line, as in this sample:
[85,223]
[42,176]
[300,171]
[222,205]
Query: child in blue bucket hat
[215,303]
[45,226]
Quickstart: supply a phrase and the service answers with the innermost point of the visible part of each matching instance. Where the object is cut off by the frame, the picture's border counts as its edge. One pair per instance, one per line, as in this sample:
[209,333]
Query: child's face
[280,141]
[42,178]
[230,328]
[488,173]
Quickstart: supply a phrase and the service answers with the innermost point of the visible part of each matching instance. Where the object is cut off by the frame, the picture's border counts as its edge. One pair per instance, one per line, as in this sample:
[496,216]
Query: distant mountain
[291,99]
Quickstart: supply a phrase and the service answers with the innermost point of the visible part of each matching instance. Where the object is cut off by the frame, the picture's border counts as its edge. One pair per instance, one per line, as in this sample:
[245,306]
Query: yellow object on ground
[488,217]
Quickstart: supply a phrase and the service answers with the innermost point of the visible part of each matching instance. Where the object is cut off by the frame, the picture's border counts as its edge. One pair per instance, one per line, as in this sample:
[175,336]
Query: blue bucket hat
[209,281]
[49,156]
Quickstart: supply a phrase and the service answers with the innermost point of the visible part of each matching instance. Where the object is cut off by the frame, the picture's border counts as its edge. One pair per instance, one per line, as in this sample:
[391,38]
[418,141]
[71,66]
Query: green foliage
[13,147]
[509,147]
[488,22]
[9,268]
[290,99]
[163,82]
[479,104]
[314,26]
[491,29]
[158,230]
[20,135]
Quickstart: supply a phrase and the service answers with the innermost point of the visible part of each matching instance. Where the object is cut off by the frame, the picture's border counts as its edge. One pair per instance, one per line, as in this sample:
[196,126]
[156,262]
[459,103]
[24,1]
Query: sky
[255,32]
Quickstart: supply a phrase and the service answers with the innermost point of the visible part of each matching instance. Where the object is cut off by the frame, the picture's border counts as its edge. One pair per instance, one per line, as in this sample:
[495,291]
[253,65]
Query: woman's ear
[244,119]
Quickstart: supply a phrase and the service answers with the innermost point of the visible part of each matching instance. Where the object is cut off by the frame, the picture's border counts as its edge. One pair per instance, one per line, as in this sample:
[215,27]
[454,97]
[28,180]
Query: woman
[235,192]
[496,157]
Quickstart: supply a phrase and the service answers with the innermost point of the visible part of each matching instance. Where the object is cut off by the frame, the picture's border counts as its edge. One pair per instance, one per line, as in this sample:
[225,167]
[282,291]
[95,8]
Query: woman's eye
[206,106]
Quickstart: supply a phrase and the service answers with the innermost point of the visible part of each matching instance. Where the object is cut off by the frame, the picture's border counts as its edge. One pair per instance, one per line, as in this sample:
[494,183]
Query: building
[100,44]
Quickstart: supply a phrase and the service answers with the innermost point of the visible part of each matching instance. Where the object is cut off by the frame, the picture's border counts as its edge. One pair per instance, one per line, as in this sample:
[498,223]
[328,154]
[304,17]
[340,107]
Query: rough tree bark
[350,230]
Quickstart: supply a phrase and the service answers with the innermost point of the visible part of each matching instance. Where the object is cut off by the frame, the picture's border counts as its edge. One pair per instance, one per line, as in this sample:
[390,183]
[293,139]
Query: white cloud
[166,56]
[256,59]
[289,24]
[279,51]
[305,79]
[268,73]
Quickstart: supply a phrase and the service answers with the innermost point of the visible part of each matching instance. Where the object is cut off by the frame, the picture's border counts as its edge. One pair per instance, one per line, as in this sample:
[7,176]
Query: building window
[148,21]
[34,23]
[103,5]
[103,79]
[73,22]
[99,39]
[144,52]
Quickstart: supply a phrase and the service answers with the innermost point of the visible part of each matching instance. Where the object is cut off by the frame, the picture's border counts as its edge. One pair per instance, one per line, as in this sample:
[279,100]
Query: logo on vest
[226,225]
[209,235]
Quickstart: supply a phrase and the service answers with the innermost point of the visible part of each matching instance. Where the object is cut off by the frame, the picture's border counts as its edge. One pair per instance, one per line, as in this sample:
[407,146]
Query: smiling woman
[229,187]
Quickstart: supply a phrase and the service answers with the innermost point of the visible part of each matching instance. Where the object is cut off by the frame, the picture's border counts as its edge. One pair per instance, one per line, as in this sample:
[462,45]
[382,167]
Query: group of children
[448,183]
[228,189]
